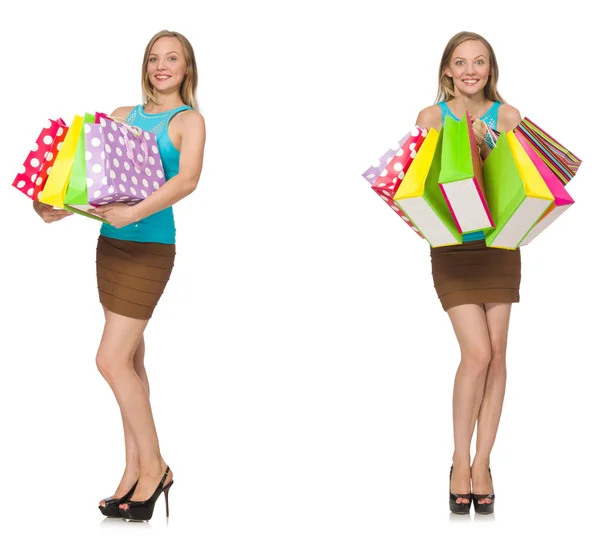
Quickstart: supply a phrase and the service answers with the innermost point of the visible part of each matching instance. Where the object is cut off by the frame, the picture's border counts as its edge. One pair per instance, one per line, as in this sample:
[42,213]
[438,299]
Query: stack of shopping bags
[437,184]
[94,161]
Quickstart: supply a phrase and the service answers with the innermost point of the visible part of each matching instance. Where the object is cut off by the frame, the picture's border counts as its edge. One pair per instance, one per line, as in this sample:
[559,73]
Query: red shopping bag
[391,177]
[33,174]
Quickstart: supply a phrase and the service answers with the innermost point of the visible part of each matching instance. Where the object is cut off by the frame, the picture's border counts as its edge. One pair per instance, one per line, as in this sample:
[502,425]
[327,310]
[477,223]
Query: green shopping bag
[517,193]
[461,179]
[76,197]
[77,189]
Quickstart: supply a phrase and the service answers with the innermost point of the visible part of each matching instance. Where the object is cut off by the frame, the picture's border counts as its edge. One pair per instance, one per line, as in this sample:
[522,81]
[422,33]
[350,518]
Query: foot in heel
[484,497]
[140,506]
[110,506]
[460,503]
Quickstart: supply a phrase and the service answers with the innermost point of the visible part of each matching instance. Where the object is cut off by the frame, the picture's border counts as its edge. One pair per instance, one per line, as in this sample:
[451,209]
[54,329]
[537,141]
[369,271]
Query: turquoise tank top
[490,118]
[160,226]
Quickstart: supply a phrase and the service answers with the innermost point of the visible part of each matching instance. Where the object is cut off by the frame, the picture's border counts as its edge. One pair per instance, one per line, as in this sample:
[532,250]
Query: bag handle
[137,132]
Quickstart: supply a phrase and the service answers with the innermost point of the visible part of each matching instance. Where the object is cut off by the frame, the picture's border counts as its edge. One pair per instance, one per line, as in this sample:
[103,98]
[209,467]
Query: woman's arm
[192,132]
[430,117]
[508,118]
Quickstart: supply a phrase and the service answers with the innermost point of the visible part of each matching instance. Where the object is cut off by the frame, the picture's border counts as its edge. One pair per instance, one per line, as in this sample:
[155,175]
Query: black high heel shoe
[111,504]
[459,507]
[485,508]
[143,510]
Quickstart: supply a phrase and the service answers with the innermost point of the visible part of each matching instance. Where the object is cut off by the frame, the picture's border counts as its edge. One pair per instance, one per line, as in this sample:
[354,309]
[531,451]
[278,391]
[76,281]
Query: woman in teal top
[476,285]
[135,256]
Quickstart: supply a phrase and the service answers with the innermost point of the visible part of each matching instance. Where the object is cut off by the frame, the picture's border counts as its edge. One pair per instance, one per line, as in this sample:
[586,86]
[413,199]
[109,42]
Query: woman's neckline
[144,112]
[481,116]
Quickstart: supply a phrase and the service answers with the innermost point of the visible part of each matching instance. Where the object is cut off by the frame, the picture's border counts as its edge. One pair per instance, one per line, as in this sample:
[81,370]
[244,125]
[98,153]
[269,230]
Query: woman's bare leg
[115,361]
[498,317]
[470,328]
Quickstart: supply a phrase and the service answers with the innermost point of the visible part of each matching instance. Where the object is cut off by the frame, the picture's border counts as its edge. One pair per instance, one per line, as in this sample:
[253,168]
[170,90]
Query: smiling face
[469,67]
[166,65]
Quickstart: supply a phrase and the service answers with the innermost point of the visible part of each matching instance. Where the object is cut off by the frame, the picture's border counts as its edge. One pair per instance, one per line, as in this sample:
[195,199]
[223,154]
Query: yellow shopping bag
[56,186]
[419,195]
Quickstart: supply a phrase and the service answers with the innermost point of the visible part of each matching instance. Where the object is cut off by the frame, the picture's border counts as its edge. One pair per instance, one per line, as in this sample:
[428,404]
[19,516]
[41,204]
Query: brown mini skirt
[472,273]
[132,275]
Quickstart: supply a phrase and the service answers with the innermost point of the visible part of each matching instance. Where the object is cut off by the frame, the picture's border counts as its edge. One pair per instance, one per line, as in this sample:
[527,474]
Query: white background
[301,365]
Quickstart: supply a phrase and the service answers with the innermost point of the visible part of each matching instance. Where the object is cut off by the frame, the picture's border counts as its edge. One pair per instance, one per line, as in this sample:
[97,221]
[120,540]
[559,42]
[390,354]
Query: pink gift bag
[392,175]
[562,199]
[33,174]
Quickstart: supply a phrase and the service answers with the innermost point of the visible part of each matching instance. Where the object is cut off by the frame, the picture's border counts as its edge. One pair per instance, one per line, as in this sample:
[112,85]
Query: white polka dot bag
[389,179]
[37,166]
[122,163]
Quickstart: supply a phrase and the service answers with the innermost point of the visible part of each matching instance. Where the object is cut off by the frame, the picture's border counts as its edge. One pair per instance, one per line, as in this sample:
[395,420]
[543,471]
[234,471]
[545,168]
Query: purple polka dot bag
[122,163]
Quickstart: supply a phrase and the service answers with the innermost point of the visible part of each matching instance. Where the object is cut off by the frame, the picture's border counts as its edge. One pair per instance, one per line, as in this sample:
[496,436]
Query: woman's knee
[110,364]
[498,360]
[477,359]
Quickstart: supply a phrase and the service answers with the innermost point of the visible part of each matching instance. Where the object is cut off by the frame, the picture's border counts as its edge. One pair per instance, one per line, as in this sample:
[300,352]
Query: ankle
[152,467]
[133,472]
[460,462]
[481,461]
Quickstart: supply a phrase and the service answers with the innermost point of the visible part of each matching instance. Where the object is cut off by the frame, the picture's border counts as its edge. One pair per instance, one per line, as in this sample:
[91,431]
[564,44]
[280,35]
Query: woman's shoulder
[122,112]
[189,120]
[430,117]
[508,117]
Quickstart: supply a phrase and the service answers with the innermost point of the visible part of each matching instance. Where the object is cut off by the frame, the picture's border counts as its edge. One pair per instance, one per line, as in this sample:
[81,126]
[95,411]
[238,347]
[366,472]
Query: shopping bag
[491,136]
[517,194]
[76,199]
[420,197]
[558,158]
[123,163]
[390,178]
[76,195]
[562,199]
[55,188]
[461,178]
[374,171]
[38,164]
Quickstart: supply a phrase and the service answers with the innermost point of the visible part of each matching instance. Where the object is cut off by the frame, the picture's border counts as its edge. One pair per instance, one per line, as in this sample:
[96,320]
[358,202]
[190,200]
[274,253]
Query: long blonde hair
[190,80]
[445,83]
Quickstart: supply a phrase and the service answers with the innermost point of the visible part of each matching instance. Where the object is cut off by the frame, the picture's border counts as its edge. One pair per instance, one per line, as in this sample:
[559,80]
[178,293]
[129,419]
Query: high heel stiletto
[485,508]
[459,507]
[111,504]
[143,510]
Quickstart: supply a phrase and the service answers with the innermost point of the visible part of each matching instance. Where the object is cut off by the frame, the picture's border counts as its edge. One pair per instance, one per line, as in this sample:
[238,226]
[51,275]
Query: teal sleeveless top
[160,226]
[490,118]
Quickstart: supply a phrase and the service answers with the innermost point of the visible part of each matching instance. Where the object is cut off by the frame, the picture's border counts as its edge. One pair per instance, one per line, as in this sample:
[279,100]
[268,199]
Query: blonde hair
[189,84]
[445,83]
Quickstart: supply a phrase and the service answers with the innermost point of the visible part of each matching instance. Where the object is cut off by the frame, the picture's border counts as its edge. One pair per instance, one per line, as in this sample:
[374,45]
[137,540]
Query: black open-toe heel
[111,504]
[459,507]
[143,510]
[484,508]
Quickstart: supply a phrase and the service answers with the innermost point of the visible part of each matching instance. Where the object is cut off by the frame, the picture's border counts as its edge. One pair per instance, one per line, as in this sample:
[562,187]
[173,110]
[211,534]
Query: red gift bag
[34,172]
[391,177]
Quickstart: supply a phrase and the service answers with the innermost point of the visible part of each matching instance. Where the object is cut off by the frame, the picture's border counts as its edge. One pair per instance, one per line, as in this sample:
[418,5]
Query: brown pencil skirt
[132,275]
[472,273]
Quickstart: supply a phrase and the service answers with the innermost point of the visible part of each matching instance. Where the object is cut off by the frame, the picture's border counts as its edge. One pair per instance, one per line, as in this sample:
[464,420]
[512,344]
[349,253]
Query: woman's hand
[117,214]
[48,213]
[479,130]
